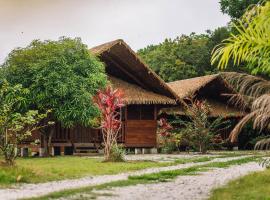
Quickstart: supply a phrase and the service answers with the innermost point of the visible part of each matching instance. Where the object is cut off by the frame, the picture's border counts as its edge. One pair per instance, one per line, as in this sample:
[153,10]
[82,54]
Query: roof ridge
[197,77]
[98,50]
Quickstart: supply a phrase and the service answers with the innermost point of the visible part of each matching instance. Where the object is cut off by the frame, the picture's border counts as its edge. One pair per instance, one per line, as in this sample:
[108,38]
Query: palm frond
[263,144]
[260,115]
[248,88]
[237,129]
[251,44]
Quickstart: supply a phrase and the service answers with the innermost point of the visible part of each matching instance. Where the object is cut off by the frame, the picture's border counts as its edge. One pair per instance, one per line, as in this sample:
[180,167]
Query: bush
[169,147]
[197,130]
[167,141]
[117,153]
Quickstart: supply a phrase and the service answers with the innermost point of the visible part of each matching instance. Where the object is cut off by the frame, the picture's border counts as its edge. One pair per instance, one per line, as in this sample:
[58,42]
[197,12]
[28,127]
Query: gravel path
[184,187]
[35,190]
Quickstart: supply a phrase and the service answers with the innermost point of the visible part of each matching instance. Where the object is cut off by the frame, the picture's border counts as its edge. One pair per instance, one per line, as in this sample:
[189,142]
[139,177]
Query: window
[141,112]
[133,112]
[147,112]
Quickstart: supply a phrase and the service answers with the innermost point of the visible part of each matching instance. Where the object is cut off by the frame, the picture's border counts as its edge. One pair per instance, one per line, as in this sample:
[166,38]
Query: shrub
[169,147]
[109,102]
[117,153]
[166,140]
[197,129]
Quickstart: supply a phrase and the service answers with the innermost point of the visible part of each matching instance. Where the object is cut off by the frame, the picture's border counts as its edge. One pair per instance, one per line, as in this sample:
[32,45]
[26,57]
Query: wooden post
[62,150]
[155,112]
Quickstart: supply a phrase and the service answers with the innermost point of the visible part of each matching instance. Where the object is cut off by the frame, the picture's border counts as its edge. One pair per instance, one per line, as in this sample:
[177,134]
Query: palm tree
[250,45]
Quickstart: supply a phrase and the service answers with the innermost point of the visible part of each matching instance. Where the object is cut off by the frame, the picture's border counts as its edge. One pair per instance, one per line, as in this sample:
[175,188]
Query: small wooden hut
[212,88]
[145,93]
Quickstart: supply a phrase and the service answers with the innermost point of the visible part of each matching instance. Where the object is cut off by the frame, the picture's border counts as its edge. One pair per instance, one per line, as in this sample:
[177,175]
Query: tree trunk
[48,141]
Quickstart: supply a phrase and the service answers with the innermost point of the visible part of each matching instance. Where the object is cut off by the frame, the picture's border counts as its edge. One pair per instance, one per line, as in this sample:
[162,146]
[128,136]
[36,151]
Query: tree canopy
[61,76]
[236,8]
[184,57]
[250,44]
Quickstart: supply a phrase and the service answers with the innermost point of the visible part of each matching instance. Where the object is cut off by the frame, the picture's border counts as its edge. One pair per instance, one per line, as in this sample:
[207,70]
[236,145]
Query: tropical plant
[16,121]
[236,8]
[117,153]
[200,130]
[251,44]
[62,76]
[166,139]
[109,103]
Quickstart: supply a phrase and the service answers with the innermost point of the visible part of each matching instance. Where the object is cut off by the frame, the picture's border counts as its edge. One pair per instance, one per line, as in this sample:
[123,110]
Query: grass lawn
[145,179]
[36,170]
[253,186]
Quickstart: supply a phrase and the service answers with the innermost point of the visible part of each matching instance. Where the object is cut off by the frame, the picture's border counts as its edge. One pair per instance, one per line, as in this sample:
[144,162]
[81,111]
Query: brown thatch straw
[134,94]
[185,88]
[216,109]
[120,53]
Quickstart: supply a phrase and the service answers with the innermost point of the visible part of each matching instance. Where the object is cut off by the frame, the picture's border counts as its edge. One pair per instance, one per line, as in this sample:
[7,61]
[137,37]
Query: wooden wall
[139,127]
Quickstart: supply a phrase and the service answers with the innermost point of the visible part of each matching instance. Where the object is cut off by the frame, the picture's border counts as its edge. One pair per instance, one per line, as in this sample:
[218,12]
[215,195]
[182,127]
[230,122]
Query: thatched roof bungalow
[212,88]
[144,92]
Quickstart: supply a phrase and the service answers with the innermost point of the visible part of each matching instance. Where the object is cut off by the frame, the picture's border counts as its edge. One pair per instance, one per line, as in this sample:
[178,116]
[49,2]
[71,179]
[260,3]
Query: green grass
[255,186]
[36,170]
[146,179]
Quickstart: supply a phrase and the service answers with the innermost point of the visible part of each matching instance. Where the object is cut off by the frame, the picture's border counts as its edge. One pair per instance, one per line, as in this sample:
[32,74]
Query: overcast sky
[138,22]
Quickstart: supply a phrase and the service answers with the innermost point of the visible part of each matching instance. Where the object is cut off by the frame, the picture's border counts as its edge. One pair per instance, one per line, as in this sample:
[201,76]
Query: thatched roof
[216,109]
[213,88]
[187,87]
[122,62]
[134,94]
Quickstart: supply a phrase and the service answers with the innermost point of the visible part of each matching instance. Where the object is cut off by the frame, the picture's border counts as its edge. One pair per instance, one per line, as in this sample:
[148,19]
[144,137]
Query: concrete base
[24,152]
[138,151]
[52,151]
[235,148]
[101,151]
[153,151]
[146,151]
[41,152]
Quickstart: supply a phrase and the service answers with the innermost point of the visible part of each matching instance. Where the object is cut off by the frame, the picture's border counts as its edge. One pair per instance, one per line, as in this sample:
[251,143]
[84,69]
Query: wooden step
[86,150]
[87,154]
[84,145]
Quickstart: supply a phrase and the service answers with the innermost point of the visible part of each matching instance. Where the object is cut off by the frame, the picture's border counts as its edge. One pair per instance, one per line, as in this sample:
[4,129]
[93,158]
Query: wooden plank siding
[139,127]
[77,134]
[140,133]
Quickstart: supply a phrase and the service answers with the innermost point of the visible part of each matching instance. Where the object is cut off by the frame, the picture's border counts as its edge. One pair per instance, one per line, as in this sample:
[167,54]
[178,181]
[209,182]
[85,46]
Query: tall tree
[62,76]
[185,56]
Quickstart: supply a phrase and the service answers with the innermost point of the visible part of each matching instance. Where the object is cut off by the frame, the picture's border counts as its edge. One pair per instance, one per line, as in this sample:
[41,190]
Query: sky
[138,22]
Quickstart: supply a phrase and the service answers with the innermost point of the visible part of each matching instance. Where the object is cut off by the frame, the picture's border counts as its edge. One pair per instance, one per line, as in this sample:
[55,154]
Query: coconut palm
[252,46]
[253,93]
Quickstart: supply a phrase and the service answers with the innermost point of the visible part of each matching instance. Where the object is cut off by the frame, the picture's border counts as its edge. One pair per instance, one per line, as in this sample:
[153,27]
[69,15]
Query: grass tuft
[252,186]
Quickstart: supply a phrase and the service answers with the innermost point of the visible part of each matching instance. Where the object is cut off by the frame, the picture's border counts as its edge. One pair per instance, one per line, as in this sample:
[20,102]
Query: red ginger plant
[164,127]
[109,101]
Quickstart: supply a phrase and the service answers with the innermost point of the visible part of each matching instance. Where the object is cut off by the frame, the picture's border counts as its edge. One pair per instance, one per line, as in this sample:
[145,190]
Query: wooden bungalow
[212,88]
[145,93]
